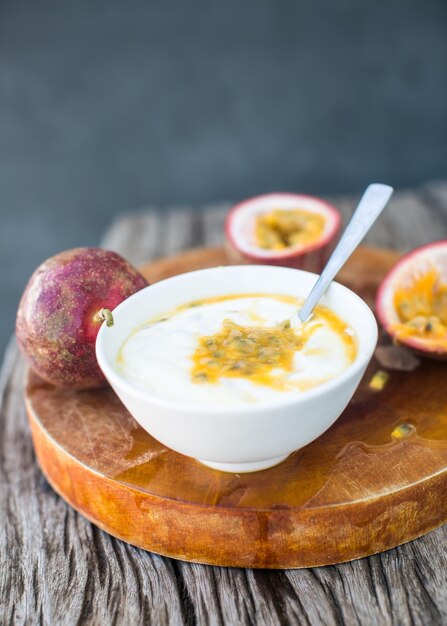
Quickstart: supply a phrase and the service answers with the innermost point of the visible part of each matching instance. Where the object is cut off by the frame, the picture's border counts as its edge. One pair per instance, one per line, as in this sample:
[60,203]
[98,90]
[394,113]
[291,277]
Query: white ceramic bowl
[251,437]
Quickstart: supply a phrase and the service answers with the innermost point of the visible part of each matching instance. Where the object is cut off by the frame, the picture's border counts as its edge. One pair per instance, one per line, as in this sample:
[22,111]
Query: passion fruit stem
[105,315]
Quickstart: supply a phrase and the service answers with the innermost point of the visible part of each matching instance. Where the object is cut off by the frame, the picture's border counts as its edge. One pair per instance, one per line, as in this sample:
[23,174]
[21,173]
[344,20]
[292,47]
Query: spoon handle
[368,210]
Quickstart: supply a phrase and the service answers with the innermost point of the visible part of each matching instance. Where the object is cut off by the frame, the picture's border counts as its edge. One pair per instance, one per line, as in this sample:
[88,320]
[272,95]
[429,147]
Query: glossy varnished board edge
[245,538]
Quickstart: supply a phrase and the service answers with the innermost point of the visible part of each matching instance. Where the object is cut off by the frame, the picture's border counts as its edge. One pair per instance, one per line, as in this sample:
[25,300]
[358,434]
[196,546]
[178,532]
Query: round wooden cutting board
[376,479]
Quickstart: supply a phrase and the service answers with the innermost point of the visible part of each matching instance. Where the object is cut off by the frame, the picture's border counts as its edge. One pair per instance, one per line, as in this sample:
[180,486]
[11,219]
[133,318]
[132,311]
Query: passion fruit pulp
[282,229]
[412,301]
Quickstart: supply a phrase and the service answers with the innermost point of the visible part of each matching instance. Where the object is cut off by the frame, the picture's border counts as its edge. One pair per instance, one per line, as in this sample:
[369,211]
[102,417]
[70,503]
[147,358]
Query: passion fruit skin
[57,320]
[313,259]
[415,344]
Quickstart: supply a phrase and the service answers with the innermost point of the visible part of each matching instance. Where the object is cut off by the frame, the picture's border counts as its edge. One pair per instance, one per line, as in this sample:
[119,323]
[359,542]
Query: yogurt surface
[161,356]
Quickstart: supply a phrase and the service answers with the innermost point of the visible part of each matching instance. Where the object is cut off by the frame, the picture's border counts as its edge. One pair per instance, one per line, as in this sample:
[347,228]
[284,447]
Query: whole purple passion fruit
[62,308]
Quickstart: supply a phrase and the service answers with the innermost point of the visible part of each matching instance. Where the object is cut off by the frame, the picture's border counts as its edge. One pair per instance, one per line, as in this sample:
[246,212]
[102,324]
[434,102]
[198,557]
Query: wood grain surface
[355,491]
[57,568]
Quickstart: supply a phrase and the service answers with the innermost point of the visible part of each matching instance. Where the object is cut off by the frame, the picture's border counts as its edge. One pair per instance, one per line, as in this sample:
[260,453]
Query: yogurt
[236,350]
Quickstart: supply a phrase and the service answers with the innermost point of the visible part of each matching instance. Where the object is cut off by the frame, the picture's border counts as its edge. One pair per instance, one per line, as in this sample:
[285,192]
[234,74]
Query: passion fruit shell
[241,224]
[411,303]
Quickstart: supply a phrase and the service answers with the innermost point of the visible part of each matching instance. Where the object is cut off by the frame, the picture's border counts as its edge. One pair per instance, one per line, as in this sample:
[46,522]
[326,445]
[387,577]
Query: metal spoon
[368,210]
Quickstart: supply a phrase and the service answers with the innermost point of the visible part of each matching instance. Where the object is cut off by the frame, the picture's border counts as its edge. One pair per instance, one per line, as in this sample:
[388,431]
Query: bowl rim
[291,253]
[117,380]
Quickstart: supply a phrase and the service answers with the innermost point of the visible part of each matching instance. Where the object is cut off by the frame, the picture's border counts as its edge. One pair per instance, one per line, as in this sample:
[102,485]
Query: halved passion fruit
[283,229]
[412,300]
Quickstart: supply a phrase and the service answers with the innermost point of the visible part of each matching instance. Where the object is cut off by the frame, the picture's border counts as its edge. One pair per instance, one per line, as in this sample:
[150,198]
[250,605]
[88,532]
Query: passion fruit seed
[379,381]
[402,431]
[200,377]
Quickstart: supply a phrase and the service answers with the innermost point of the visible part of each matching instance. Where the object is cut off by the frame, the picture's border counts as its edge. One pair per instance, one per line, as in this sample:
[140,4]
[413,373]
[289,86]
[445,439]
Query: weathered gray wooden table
[56,568]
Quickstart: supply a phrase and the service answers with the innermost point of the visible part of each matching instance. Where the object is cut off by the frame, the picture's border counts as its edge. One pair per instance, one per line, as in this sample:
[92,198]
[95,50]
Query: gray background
[106,107]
